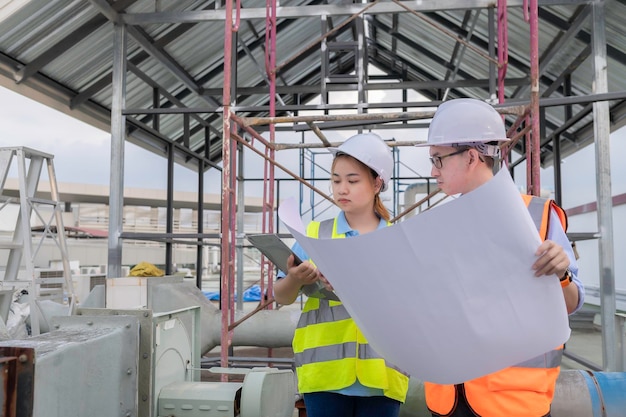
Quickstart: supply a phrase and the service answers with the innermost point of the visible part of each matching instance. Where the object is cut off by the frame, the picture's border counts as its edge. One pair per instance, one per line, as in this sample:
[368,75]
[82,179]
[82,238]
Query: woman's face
[353,184]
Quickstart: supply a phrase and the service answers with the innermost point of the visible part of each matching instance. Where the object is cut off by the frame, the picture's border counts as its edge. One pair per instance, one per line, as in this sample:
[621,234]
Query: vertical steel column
[232,213]
[324,59]
[118,136]
[503,48]
[202,250]
[556,145]
[528,148]
[620,325]
[268,175]
[227,243]
[556,162]
[361,67]
[494,28]
[240,228]
[238,184]
[534,187]
[169,211]
[313,177]
[200,220]
[601,129]
[503,61]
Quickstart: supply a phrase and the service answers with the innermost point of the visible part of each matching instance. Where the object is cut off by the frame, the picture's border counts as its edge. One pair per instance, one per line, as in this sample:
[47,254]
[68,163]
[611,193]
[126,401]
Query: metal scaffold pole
[612,339]
[534,185]
[267,270]
[227,265]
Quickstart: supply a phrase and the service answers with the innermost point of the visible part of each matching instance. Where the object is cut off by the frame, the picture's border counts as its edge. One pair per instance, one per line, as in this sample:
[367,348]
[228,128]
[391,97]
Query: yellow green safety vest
[330,350]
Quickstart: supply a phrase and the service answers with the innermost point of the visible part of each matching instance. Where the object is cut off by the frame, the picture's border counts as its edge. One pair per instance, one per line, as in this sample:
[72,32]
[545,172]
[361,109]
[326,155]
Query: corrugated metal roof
[64,49]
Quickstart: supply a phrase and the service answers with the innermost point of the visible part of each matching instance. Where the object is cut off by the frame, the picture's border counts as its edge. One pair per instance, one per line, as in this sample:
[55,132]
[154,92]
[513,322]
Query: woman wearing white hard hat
[339,374]
[464,137]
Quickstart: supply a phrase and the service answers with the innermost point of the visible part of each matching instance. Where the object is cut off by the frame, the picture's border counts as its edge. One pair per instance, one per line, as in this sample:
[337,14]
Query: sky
[81,152]
[82,155]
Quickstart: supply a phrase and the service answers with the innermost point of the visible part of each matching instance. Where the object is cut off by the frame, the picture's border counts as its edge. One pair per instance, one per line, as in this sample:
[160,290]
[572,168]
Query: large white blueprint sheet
[448,295]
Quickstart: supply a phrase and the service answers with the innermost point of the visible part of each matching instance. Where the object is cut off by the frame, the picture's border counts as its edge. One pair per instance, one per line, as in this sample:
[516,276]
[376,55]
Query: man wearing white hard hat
[339,373]
[464,138]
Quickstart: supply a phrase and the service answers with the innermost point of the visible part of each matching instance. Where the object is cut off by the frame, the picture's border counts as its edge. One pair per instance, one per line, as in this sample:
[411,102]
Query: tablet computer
[274,249]
[278,252]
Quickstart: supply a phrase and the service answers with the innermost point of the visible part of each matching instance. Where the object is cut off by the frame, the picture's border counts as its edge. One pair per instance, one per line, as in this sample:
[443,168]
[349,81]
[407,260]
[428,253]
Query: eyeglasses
[437,161]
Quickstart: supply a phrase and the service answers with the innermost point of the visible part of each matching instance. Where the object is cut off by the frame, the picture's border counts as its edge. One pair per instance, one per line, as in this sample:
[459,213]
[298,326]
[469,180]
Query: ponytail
[380,208]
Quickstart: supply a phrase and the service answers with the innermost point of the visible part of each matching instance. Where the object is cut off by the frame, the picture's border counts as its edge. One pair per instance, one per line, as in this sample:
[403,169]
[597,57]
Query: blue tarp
[251,294]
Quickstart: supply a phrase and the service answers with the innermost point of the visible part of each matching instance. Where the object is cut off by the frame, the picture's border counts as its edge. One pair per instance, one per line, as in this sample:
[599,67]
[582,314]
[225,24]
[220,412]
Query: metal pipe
[581,393]
[578,393]
[169,211]
[200,210]
[118,137]
[503,47]
[417,204]
[226,266]
[517,110]
[265,328]
[534,186]
[267,270]
[601,130]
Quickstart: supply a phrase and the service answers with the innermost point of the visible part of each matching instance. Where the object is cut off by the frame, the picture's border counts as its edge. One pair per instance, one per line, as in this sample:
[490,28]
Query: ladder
[25,244]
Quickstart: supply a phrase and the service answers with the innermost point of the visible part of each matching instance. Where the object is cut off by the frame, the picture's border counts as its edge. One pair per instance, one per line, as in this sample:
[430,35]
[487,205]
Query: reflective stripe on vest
[366,352]
[324,314]
[550,359]
[525,389]
[331,353]
[537,208]
[327,353]
[326,229]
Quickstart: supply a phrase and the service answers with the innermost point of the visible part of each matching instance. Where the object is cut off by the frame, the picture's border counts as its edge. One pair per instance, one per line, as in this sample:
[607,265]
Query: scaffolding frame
[526,127]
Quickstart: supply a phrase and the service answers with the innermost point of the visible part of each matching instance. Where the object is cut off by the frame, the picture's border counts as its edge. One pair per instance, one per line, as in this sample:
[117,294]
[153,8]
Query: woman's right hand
[287,288]
[304,273]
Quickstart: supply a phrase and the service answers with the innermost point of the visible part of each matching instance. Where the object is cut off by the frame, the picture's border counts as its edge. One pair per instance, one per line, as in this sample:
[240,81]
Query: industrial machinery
[136,352]
[114,362]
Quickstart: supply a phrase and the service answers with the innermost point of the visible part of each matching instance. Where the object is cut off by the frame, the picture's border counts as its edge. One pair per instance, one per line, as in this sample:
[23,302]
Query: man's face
[449,168]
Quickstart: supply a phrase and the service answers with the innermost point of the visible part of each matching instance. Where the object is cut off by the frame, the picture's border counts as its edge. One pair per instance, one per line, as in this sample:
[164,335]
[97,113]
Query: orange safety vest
[522,390]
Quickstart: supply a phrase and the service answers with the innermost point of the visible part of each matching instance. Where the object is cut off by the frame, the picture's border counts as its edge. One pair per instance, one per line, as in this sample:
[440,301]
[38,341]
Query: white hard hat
[467,122]
[370,149]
